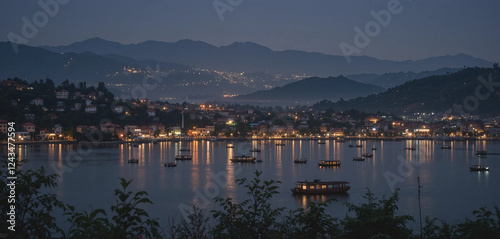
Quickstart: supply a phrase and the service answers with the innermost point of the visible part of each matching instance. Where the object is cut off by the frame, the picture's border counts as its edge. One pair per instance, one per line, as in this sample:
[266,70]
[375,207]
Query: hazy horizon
[414,30]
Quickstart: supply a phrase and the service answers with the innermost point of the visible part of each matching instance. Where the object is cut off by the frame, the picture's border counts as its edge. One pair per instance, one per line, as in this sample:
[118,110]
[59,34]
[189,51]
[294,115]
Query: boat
[374,148]
[359,145]
[410,148]
[133,161]
[280,144]
[184,149]
[479,168]
[300,160]
[183,157]
[243,159]
[256,150]
[367,155]
[174,164]
[321,142]
[230,146]
[319,187]
[329,163]
[351,146]
[135,145]
[340,140]
[482,152]
[446,147]
[358,159]
[154,141]
[259,160]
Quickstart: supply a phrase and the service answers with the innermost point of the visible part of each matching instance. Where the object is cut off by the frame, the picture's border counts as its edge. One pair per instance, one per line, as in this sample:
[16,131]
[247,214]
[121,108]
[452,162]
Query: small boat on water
[154,141]
[173,164]
[133,161]
[479,168]
[321,142]
[374,148]
[410,148]
[482,152]
[280,144]
[329,163]
[230,146]
[183,157]
[243,159]
[259,160]
[300,160]
[255,150]
[351,146]
[446,147]
[359,145]
[135,145]
[367,155]
[319,187]
[358,159]
[184,149]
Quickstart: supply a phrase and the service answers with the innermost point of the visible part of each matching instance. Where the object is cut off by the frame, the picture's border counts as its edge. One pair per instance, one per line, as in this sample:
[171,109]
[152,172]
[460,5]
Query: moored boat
[329,163]
[173,164]
[319,187]
[243,159]
[446,147]
[280,144]
[321,142]
[359,145]
[300,160]
[367,155]
[410,148]
[185,149]
[183,157]
[230,146]
[358,159]
[255,150]
[481,152]
[133,161]
[479,168]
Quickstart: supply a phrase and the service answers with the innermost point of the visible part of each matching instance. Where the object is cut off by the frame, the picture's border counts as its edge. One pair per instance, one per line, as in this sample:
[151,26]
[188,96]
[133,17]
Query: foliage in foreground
[253,217]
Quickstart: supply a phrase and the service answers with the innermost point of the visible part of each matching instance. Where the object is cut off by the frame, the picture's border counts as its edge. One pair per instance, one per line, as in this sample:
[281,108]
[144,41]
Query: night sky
[419,29]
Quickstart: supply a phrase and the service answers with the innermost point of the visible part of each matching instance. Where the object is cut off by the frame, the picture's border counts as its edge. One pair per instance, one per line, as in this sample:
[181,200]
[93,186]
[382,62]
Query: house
[37,101]
[151,113]
[23,136]
[60,109]
[3,126]
[29,127]
[118,109]
[130,128]
[29,116]
[81,128]
[146,131]
[58,129]
[108,128]
[159,127]
[91,109]
[63,94]
[88,102]
[77,95]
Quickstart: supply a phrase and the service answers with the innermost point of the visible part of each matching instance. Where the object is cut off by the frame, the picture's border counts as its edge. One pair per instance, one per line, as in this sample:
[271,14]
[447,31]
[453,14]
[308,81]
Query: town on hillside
[44,112]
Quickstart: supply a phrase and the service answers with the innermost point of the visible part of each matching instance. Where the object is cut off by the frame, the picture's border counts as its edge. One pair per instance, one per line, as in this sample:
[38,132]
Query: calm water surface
[449,190]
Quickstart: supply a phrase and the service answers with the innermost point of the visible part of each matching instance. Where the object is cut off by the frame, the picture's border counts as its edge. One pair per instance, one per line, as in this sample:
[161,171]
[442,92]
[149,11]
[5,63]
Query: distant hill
[389,80]
[251,57]
[314,89]
[430,94]
[34,63]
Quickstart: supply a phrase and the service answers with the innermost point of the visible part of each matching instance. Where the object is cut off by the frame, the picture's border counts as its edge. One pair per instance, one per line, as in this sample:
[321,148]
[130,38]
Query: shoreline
[241,139]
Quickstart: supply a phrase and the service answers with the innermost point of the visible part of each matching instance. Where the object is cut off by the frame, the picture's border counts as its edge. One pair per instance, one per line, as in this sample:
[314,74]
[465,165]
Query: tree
[252,218]
[376,218]
[33,208]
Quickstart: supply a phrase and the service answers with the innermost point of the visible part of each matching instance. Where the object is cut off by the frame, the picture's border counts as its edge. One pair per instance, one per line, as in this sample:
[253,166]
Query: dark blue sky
[422,28]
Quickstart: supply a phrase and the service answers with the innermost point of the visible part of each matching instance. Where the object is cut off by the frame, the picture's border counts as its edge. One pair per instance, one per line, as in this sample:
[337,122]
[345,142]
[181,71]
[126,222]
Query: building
[151,113]
[91,109]
[108,128]
[3,126]
[58,129]
[63,94]
[29,127]
[118,109]
[37,101]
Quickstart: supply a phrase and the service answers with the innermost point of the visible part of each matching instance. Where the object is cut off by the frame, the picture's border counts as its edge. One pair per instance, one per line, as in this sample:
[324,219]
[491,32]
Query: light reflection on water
[450,190]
